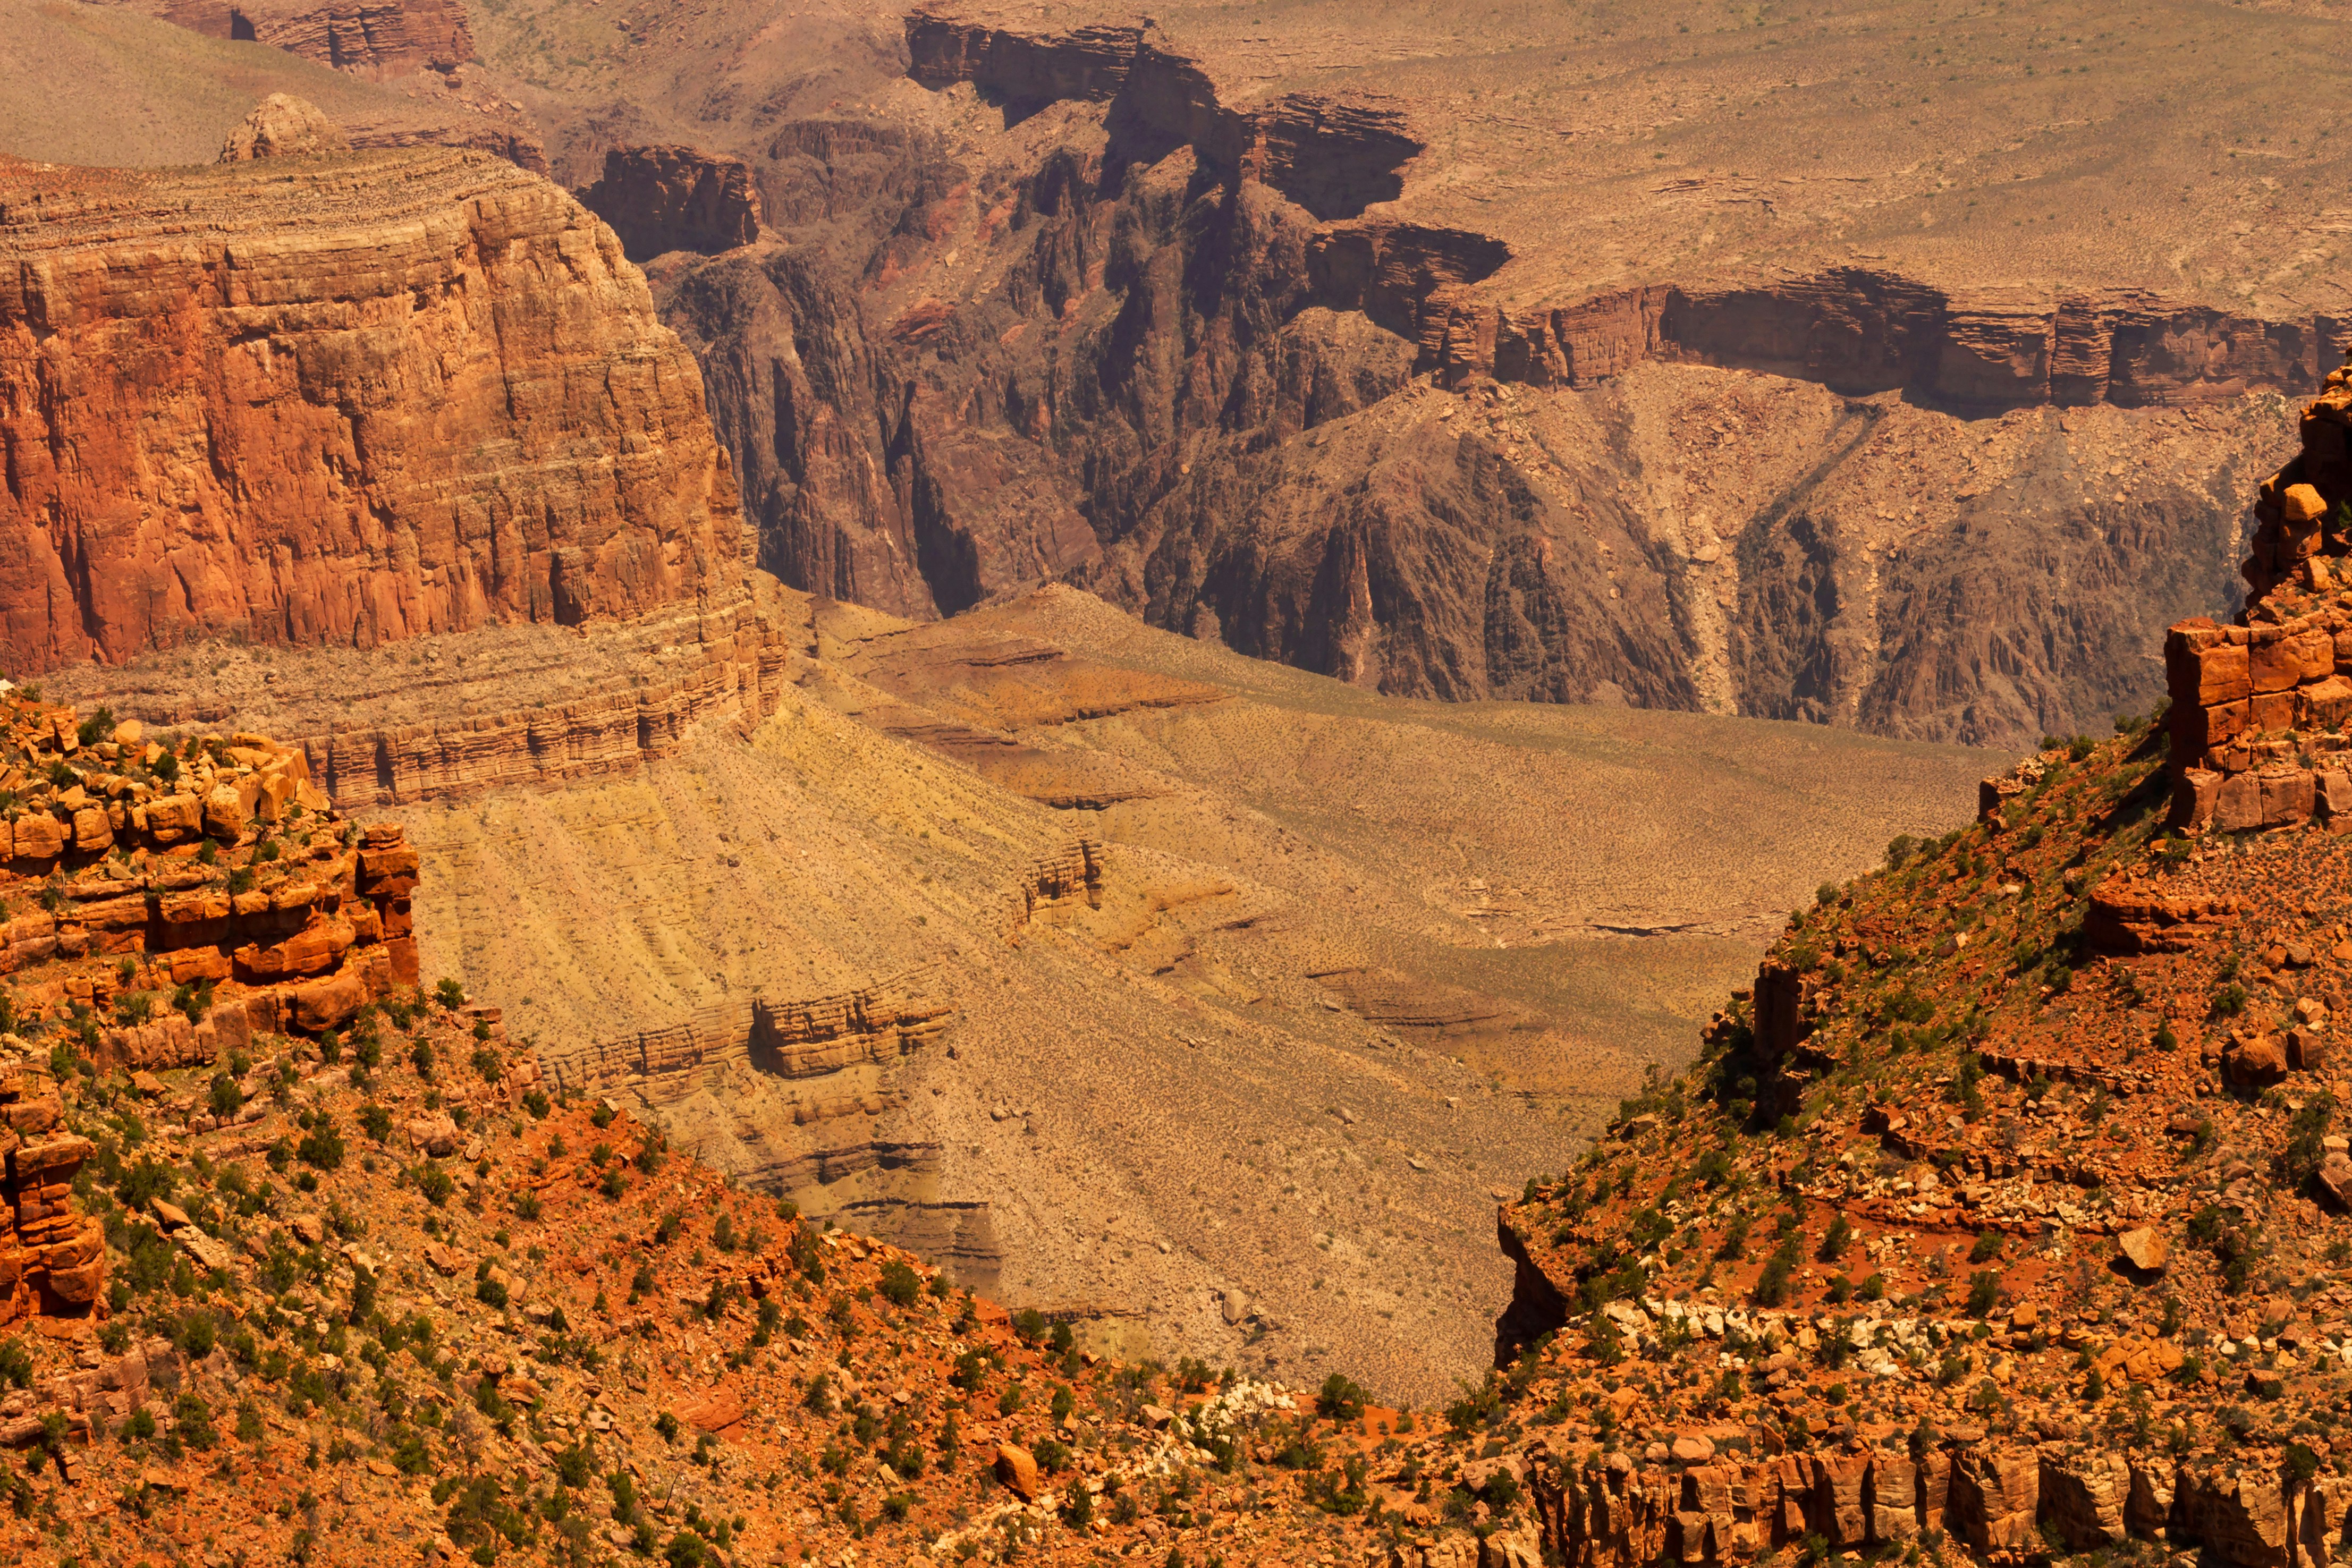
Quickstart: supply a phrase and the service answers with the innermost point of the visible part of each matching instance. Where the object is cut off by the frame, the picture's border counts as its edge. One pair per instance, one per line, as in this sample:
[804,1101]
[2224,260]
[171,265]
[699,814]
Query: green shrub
[1341,1399]
[900,1284]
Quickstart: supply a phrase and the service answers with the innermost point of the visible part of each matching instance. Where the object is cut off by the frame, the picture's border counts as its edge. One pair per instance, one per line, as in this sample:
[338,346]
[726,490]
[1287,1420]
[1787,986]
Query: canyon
[974,934]
[809,664]
[1073,314]
[1305,348]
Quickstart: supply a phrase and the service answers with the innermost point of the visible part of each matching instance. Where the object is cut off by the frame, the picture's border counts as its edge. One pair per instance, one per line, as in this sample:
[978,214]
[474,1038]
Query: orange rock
[1017,1469]
[326,1004]
[722,1410]
[2255,1062]
[461,272]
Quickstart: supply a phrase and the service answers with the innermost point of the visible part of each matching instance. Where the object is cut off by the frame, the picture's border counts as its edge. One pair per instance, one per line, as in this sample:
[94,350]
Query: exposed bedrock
[373,39]
[336,399]
[662,199]
[1861,331]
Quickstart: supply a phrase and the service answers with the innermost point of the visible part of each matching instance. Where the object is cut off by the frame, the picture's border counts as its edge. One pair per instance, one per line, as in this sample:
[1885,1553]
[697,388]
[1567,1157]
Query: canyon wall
[371,38]
[1334,156]
[1861,331]
[345,400]
[675,198]
[601,731]
[1133,355]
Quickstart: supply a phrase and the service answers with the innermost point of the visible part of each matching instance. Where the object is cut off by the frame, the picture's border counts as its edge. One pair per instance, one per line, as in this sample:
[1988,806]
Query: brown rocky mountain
[1173,311]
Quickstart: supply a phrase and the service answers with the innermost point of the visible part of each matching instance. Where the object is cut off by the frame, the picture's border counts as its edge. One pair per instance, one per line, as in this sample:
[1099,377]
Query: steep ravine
[1061,340]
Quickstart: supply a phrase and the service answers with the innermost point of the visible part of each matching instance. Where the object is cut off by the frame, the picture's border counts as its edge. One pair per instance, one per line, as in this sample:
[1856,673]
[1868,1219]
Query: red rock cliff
[341,400]
[373,39]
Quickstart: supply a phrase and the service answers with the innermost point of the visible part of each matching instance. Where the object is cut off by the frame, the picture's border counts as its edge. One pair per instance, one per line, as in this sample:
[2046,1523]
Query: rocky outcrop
[800,1093]
[284,126]
[1333,156]
[1075,871]
[52,1258]
[1861,331]
[1397,273]
[396,393]
[605,733]
[1999,1501]
[2258,708]
[377,39]
[661,199]
[172,905]
[1087,63]
[208,871]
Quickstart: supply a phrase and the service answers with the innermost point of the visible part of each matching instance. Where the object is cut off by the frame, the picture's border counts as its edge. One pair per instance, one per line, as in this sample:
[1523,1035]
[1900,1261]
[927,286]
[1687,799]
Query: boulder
[2255,1064]
[2146,1249]
[2334,1178]
[436,1136]
[1692,1449]
[1017,1469]
[326,1004]
[716,1413]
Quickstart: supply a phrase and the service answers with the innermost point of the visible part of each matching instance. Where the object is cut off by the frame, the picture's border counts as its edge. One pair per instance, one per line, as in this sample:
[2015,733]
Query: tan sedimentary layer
[800,1038]
[608,733]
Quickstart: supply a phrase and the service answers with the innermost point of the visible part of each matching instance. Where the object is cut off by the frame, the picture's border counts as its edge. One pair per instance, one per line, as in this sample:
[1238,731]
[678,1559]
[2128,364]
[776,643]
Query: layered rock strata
[2000,1501]
[1862,332]
[662,199]
[1111,348]
[602,733]
[52,1259]
[174,901]
[376,40]
[1332,156]
[2258,708]
[342,400]
[800,1038]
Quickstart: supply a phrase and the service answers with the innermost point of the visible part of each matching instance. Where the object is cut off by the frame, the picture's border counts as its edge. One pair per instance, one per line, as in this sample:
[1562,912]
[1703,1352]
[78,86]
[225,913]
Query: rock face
[615,730]
[662,199]
[52,1259]
[400,394]
[151,950]
[2257,706]
[373,39]
[1332,156]
[117,855]
[1861,331]
[284,126]
[1148,354]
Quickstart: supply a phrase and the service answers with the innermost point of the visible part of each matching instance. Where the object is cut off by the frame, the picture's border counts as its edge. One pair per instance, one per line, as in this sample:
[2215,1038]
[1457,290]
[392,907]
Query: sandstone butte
[341,398]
